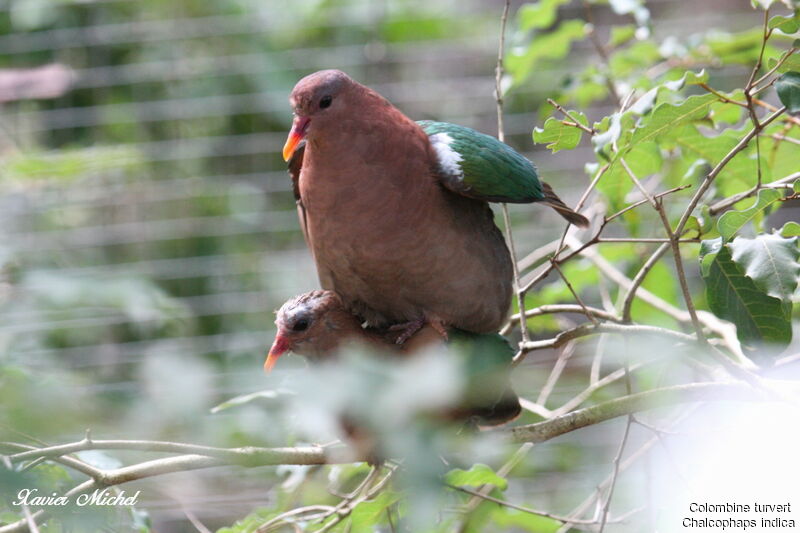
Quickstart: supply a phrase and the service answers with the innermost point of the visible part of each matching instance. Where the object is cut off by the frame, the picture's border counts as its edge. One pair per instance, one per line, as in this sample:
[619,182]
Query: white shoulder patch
[449,159]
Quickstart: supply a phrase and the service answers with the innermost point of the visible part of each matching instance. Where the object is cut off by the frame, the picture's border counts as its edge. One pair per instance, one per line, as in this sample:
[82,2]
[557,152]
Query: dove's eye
[300,325]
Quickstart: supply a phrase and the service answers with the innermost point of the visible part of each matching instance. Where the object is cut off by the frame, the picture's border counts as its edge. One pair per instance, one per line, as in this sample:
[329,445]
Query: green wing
[486,360]
[479,166]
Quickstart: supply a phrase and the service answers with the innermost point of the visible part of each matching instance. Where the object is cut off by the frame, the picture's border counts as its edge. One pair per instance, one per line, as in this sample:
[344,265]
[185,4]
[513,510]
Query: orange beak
[299,127]
[279,347]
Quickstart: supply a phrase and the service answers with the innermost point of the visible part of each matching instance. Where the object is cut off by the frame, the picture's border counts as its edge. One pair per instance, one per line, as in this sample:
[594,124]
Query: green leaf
[694,229]
[763,4]
[476,476]
[732,221]
[639,55]
[560,136]
[785,24]
[645,102]
[668,116]
[367,514]
[553,45]
[510,518]
[740,171]
[727,112]
[780,155]
[621,35]
[616,128]
[643,159]
[792,63]
[737,48]
[733,296]
[539,15]
[586,92]
[790,229]
[788,89]
[771,261]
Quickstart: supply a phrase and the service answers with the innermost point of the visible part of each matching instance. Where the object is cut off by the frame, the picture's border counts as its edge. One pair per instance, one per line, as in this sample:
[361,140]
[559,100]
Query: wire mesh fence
[146,209]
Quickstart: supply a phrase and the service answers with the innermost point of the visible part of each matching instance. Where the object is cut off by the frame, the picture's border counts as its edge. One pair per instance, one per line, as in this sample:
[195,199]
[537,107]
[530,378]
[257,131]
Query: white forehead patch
[449,159]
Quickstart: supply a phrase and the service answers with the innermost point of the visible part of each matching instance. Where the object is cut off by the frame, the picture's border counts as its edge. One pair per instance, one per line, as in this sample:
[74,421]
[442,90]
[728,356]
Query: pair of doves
[397,218]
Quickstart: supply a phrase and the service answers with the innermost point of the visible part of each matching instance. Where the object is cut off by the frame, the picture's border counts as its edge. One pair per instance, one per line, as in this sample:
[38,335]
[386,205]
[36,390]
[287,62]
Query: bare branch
[783,183]
[633,403]
[701,191]
[771,71]
[573,120]
[244,455]
[601,51]
[676,252]
[528,510]
[568,308]
[627,305]
[498,91]
[584,309]
[615,474]
[588,329]
[484,490]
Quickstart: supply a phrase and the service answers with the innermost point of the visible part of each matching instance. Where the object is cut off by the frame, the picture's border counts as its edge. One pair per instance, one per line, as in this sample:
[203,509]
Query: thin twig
[627,305]
[301,456]
[787,118]
[198,525]
[569,308]
[312,510]
[676,252]
[589,329]
[498,81]
[630,461]
[615,474]
[635,179]
[555,374]
[684,284]
[528,510]
[646,200]
[601,51]
[484,490]
[771,71]
[618,457]
[577,400]
[724,99]
[724,204]
[779,137]
[703,188]
[574,294]
[30,520]
[573,119]
[642,240]
[634,403]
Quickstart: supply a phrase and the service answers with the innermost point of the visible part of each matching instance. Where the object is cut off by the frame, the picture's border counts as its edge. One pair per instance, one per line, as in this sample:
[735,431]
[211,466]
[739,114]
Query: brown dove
[316,324]
[396,212]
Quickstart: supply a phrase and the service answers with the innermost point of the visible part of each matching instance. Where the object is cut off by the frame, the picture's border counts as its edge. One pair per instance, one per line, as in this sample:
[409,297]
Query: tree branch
[640,401]
[568,308]
[724,204]
[498,89]
[701,191]
[627,305]
[588,329]
[243,456]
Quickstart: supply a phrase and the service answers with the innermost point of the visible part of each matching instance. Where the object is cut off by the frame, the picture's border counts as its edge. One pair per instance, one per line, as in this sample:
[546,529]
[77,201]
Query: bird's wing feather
[479,166]
[295,165]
